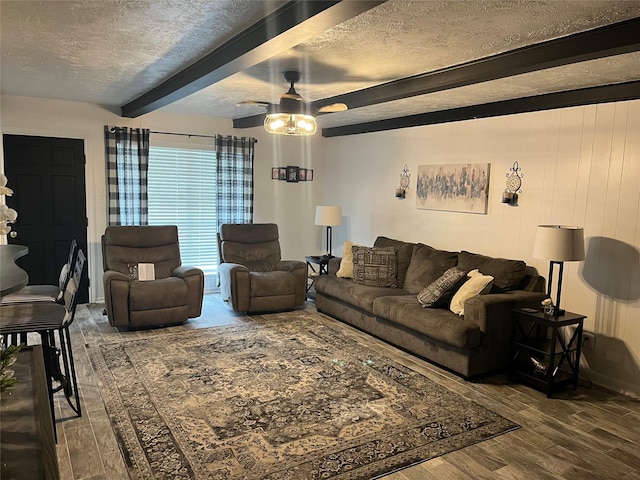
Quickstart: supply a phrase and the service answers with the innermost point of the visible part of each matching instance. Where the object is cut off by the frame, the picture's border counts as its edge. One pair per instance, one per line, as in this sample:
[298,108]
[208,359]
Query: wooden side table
[540,354]
[27,444]
[316,265]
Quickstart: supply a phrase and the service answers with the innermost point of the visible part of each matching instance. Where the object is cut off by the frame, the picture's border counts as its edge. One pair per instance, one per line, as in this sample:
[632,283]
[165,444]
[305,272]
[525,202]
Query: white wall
[291,205]
[581,167]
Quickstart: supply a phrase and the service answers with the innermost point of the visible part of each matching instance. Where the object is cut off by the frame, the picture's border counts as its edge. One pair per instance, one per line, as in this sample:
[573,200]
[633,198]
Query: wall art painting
[455,188]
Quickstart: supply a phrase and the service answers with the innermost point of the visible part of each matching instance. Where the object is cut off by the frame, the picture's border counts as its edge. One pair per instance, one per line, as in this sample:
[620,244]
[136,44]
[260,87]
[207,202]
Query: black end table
[541,356]
[316,265]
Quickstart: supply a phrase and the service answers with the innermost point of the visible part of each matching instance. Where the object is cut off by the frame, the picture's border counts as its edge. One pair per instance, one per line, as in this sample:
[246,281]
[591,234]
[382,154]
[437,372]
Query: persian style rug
[284,397]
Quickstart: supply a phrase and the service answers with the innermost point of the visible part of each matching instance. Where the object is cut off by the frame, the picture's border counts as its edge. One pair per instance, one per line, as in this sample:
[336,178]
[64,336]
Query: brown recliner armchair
[253,277]
[173,297]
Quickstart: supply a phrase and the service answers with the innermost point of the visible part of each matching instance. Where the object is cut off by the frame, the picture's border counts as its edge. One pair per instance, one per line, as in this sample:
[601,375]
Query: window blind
[182,192]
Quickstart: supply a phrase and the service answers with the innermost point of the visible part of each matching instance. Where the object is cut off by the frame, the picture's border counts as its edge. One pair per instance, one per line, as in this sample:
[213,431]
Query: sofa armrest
[494,310]
[334,265]
[235,285]
[194,278]
[116,297]
[492,313]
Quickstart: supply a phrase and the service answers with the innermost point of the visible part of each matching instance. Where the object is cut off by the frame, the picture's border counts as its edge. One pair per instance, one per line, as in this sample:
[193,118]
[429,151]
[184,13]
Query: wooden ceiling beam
[290,25]
[584,96]
[615,39]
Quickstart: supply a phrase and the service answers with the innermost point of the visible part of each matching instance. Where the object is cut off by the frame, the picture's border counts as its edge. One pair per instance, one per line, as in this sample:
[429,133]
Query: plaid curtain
[127,157]
[235,179]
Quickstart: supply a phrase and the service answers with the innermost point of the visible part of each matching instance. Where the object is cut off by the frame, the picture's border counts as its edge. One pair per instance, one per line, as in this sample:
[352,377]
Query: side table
[540,354]
[316,265]
[27,446]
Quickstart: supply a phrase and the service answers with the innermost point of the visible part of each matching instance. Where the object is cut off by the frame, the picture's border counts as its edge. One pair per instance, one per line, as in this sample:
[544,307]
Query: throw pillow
[375,267]
[427,265]
[346,263]
[404,250]
[476,284]
[440,291]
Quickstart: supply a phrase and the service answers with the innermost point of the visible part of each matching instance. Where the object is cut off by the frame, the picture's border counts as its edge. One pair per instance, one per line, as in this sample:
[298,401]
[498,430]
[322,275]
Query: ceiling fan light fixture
[290,124]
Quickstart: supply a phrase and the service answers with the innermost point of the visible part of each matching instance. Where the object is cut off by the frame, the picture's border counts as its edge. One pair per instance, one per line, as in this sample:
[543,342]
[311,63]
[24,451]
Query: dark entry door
[47,176]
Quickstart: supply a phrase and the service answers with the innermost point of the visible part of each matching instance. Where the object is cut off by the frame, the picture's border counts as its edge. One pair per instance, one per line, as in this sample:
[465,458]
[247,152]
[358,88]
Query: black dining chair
[47,319]
[45,293]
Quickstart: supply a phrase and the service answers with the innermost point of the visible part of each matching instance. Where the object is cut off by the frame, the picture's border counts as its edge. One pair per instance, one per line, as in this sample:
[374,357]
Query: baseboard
[628,389]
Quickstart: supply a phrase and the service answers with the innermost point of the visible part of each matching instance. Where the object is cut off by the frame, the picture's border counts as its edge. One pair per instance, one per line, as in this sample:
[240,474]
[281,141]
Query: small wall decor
[514,182]
[455,188]
[292,174]
[401,192]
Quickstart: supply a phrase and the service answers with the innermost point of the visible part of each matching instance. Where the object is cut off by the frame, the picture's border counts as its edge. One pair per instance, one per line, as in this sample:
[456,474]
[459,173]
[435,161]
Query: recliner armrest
[184,272]
[290,265]
[235,285]
[116,297]
[194,278]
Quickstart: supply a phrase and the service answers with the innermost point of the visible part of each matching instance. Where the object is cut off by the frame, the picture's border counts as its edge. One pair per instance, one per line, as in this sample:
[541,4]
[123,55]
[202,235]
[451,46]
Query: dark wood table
[27,444]
[541,354]
[12,277]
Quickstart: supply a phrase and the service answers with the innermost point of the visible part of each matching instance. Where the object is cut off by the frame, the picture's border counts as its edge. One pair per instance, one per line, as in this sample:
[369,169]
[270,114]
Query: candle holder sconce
[514,182]
[401,192]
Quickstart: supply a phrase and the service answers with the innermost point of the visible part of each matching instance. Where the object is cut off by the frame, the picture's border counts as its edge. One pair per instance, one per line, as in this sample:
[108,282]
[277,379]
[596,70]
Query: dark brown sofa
[173,297]
[476,343]
[253,277]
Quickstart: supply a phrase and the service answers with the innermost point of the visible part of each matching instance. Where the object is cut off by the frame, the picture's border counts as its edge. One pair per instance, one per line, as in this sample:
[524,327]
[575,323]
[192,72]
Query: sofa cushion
[427,265]
[375,266]
[440,292]
[404,250]
[475,284]
[346,263]
[440,324]
[507,274]
[348,291]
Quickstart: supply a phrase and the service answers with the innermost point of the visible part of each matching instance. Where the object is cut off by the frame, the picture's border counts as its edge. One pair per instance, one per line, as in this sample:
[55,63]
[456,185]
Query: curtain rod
[182,134]
[195,135]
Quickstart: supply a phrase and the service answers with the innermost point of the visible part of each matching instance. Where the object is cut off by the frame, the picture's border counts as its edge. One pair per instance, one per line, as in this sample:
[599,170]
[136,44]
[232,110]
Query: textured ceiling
[111,52]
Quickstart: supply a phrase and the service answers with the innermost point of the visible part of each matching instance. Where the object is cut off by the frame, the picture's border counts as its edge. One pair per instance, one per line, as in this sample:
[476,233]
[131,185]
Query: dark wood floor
[586,434]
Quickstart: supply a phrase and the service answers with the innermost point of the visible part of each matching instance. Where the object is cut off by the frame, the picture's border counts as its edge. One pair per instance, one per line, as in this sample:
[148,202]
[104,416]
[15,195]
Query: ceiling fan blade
[254,102]
[334,107]
[291,96]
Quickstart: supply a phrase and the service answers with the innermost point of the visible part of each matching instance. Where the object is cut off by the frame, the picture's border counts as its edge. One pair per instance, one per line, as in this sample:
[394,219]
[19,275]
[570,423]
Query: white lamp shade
[559,243]
[328,215]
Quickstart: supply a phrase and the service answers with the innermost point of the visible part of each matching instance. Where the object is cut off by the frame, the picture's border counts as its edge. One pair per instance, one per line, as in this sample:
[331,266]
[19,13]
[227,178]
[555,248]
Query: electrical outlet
[588,339]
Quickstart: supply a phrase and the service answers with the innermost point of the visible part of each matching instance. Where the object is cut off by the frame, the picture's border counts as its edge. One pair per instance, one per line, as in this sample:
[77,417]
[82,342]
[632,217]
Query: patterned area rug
[285,397]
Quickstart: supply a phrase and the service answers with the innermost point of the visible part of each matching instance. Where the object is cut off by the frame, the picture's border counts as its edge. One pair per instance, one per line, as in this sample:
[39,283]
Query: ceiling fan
[292,115]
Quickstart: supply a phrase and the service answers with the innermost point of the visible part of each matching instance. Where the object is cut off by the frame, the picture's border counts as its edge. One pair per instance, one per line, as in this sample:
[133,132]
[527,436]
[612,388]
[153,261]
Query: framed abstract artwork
[460,187]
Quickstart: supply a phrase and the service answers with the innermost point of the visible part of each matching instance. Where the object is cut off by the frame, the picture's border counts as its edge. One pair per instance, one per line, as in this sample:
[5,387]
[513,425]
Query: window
[182,192]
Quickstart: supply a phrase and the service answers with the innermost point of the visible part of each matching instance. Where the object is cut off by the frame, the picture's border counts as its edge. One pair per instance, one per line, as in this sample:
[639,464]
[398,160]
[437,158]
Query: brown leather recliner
[173,297]
[253,277]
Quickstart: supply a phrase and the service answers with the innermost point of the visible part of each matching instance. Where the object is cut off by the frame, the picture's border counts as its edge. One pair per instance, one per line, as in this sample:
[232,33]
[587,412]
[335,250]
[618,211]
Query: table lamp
[558,244]
[329,216]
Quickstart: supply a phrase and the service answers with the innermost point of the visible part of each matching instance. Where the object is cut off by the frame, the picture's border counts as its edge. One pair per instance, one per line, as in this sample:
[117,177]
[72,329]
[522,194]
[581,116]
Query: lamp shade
[559,243]
[328,215]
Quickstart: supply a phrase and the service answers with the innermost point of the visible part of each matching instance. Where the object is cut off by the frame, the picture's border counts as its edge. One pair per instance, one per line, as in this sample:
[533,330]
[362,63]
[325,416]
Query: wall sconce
[514,182]
[401,192]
